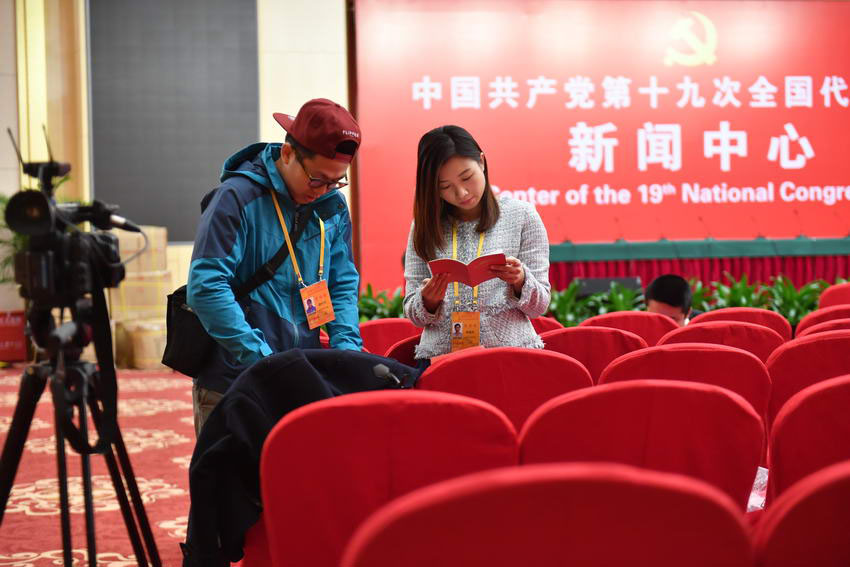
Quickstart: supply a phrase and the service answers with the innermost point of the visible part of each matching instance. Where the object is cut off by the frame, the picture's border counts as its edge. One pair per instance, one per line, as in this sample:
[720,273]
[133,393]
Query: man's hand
[434,291]
[511,273]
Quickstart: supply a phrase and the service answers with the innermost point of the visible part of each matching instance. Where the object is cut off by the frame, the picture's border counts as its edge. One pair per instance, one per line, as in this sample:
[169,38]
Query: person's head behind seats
[669,295]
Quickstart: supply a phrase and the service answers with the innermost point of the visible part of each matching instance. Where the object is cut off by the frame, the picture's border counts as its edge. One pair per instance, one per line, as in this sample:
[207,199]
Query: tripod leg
[135,495]
[121,494]
[64,503]
[85,459]
[32,386]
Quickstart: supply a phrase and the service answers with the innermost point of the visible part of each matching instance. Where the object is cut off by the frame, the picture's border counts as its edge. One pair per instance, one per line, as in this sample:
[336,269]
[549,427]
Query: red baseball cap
[320,126]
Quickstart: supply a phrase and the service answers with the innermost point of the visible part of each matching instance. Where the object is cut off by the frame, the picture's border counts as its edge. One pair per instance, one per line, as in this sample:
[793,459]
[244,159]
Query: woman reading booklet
[457,220]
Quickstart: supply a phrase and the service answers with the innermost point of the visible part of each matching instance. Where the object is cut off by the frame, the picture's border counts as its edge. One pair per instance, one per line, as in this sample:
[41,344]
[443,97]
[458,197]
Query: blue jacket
[239,232]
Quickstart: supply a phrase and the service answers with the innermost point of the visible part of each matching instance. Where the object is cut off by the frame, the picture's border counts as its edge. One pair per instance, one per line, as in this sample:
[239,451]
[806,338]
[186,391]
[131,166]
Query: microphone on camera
[118,221]
[100,215]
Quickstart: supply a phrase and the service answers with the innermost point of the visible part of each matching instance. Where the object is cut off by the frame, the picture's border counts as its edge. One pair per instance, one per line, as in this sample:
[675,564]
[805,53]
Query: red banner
[619,120]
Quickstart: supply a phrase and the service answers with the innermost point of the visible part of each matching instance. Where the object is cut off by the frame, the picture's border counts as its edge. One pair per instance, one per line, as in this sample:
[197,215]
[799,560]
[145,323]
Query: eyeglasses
[315,182]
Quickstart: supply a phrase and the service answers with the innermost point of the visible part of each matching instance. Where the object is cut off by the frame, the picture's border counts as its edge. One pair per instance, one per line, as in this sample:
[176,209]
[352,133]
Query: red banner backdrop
[619,120]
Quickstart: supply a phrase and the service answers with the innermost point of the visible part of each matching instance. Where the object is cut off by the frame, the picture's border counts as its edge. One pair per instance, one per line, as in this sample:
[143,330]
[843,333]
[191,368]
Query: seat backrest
[831,325]
[592,515]
[805,361]
[515,380]
[380,334]
[838,294]
[648,326]
[543,324]
[594,347]
[326,466]
[765,317]
[809,523]
[698,430]
[404,350]
[720,365]
[811,431]
[821,315]
[757,339]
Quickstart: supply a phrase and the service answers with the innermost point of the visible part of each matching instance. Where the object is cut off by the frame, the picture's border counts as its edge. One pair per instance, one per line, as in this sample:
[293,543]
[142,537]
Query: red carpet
[155,415]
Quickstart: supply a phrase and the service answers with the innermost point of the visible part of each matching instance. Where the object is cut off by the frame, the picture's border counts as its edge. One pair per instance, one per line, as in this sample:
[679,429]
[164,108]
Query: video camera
[61,264]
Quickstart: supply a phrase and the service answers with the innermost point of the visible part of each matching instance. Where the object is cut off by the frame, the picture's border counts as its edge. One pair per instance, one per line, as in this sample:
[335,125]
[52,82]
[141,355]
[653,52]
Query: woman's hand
[511,273]
[434,291]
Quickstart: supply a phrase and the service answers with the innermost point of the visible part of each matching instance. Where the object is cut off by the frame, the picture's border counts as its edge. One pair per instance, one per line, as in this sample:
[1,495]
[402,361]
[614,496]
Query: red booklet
[470,274]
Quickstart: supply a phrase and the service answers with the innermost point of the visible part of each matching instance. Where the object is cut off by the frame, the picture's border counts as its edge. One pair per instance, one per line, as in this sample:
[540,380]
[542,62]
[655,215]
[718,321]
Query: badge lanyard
[292,251]
[315,298]
[465,325]
[454,257]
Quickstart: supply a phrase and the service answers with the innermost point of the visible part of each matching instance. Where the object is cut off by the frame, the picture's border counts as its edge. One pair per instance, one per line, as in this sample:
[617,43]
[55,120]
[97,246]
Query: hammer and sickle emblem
[702,49]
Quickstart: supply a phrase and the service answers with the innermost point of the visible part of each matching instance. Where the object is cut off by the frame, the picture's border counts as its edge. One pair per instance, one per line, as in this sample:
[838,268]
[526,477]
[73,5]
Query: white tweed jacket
[520,233]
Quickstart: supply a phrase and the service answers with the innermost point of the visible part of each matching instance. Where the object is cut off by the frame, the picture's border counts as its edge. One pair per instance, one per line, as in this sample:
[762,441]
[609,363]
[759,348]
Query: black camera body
[62,266]
[58,269]
[61,263]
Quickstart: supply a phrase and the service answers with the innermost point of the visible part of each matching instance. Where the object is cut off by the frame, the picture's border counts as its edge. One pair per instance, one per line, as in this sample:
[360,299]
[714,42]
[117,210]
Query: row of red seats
[598,515]
[380,335]
[610,354]
[327,466]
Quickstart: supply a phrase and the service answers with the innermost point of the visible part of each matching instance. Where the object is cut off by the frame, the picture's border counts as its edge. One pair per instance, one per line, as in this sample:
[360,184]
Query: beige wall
[302,52]
[9,177]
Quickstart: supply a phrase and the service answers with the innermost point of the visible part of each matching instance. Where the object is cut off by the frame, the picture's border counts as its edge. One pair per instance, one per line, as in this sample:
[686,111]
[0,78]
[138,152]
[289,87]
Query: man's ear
[286,153]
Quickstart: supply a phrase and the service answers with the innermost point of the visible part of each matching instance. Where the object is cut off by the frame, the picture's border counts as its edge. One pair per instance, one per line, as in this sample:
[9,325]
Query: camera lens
[30,213]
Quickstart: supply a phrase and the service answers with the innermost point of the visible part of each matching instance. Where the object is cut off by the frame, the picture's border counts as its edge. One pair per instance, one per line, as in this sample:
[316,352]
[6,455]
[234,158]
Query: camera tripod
[80,388]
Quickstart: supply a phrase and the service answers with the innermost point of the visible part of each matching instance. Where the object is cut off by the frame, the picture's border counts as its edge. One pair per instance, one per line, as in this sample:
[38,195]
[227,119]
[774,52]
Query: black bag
[188,346]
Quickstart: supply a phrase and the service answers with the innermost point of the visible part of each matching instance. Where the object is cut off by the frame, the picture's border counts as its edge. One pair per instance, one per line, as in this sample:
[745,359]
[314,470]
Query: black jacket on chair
[224,480]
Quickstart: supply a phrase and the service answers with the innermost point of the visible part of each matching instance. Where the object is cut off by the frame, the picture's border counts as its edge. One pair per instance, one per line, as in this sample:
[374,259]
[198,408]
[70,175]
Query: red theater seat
[380,334]
[821,315]
[256,547]
[811,432]
[720,365]
[765,317]
[588,515]
[831,325]
[757,339]
[543,324]
[515,380]
[648,326]
[404,350]
[328,465]
[808,524]
[594,347]
[694,429]
[806,361]
[838,294]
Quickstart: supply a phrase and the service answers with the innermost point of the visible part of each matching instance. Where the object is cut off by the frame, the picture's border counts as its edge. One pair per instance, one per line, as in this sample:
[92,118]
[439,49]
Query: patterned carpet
[155,415]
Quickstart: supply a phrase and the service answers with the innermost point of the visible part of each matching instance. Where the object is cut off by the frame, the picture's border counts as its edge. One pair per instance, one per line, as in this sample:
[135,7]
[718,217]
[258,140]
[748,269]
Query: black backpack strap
[267,270]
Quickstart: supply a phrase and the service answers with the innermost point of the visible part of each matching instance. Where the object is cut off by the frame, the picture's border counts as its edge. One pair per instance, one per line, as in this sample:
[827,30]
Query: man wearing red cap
[277,199]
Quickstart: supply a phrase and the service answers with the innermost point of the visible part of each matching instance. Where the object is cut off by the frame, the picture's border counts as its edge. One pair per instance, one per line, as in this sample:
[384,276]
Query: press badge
[317,304]
[465,330]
